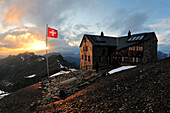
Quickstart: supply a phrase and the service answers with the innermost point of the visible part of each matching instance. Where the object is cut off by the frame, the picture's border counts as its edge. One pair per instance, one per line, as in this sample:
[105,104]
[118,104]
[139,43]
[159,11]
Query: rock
[54,80]
[55,88]
[44,101]
[56,98]
[38,102]
[75,89]
[45,88]
[49,98]
[80,101]
[49,94]
[39,88]
[62,94]
[33,106]
[52,95]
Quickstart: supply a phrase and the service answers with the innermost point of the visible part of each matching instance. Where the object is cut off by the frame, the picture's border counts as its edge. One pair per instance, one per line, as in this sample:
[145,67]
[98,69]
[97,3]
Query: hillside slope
[142,89]
[19,101]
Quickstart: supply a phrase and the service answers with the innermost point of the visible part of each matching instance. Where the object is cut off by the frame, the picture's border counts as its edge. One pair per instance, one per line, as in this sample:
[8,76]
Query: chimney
[129,34]
[102,34]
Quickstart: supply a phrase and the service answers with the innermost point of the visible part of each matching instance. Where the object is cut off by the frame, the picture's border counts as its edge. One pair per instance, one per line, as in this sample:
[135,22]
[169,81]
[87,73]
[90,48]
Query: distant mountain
[15,69]
[53,53]
[68,56]
[2,56]
[161,55]
[73,59]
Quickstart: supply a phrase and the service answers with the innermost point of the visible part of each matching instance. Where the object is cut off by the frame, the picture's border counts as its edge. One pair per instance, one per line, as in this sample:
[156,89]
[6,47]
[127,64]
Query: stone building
[126,50]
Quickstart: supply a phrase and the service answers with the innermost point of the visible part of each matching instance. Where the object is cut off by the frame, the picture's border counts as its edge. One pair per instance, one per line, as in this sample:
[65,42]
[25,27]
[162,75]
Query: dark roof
[119,42]
[101,40]
[135,39]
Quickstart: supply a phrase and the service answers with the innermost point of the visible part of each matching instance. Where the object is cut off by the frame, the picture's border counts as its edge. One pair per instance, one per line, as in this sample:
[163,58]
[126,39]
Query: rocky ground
[142,89]
[19,101]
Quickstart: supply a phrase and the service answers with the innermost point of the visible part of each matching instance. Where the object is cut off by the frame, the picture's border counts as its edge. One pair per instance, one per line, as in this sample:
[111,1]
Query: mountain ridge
[15,68]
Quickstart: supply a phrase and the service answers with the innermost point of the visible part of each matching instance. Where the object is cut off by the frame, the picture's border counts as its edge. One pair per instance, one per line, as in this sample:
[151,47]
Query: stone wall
[86,50]
[101,55]
[150,50]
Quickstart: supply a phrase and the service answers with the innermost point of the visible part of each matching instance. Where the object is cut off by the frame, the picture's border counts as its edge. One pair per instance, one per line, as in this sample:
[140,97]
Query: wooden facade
[94,51]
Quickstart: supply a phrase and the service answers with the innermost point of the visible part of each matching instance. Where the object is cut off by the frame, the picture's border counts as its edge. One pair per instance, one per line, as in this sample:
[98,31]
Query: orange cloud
[74,43]
[13,13]
[22,43]
[2,2]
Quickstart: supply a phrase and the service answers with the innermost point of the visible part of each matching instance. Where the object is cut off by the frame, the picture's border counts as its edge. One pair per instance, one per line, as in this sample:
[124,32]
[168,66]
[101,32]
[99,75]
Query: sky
[23,22]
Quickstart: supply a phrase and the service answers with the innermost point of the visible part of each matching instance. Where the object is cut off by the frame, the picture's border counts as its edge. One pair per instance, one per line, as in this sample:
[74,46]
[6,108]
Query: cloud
[40,12]
[16,41]
[123,20]
[2,2]
[161,27]
[80,26]
[74,43]
[164,37]
[31,16]
[164,48]
[162,23]
[12,14]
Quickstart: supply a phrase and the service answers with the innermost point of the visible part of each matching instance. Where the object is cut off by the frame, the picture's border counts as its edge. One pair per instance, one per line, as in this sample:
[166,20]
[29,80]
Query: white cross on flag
[52,33]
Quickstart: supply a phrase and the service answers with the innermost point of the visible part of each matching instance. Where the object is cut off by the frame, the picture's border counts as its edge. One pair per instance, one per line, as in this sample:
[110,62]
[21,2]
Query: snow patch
[22,58]
[31,76]
[3,93]
[60,73]
[121,69]
[65,72]
[61,66]
[73,70]
[41,59]
[56,74]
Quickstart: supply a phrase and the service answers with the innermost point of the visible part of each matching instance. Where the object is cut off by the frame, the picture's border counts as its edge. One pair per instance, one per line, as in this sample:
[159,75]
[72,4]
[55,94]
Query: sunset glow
[22,43]
[36,45]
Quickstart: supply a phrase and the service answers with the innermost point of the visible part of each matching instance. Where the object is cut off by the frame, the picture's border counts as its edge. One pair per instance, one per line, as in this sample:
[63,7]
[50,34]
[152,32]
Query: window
[85,40]
[100,58]
[86,48]
[133,59]
[137,60]
[103,51]
[137,48]
[141,48]
[89,58]
[130,48]
[122,58]
[81,56]
[133,48]
[83,48]
[85,57]
[107,58]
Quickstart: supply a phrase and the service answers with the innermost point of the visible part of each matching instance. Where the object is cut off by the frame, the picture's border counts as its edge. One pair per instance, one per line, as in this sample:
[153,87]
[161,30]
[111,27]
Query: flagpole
[47,50]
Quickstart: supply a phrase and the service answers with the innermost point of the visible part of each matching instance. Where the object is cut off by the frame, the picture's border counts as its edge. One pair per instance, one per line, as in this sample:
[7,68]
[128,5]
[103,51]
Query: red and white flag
[52,33]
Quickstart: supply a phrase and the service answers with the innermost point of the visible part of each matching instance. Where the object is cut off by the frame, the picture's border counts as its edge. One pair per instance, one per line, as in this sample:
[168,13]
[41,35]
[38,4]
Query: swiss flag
[52,33]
